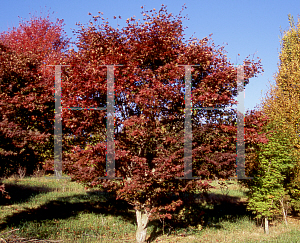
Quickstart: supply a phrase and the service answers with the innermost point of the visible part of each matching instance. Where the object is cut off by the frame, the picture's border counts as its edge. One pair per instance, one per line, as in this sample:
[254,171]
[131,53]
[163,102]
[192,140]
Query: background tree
[268,192]
[282,105]
[26,92]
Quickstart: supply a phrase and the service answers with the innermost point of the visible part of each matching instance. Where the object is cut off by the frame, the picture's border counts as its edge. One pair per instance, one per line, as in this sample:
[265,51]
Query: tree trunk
[266,225]
[142,223]
[283,212]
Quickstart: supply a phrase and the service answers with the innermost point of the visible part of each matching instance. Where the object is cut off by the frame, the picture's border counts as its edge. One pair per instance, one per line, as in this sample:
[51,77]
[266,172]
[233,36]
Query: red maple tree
[149,106]
[26,97]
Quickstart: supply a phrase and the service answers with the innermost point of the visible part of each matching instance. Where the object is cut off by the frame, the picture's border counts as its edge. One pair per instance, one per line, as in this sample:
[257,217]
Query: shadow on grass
[63,207]
[22,193]
[207,210]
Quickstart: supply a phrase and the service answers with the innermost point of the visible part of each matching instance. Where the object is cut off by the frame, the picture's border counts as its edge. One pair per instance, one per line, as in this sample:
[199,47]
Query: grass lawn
[63,211]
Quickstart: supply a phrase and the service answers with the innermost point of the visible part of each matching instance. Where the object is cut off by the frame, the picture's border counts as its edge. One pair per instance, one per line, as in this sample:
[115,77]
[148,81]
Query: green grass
[230,188]
[51,209]
[63,210]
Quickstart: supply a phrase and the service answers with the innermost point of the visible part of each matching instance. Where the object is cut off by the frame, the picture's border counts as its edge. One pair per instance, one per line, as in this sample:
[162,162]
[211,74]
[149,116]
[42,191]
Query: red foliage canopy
[26,97]
[149,104]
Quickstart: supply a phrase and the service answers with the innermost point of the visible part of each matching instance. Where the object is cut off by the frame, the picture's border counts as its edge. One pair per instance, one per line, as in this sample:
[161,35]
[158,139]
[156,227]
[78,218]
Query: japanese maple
[149,108]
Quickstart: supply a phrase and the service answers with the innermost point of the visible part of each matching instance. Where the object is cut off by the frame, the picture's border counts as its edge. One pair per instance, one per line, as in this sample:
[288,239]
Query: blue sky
[248,27]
